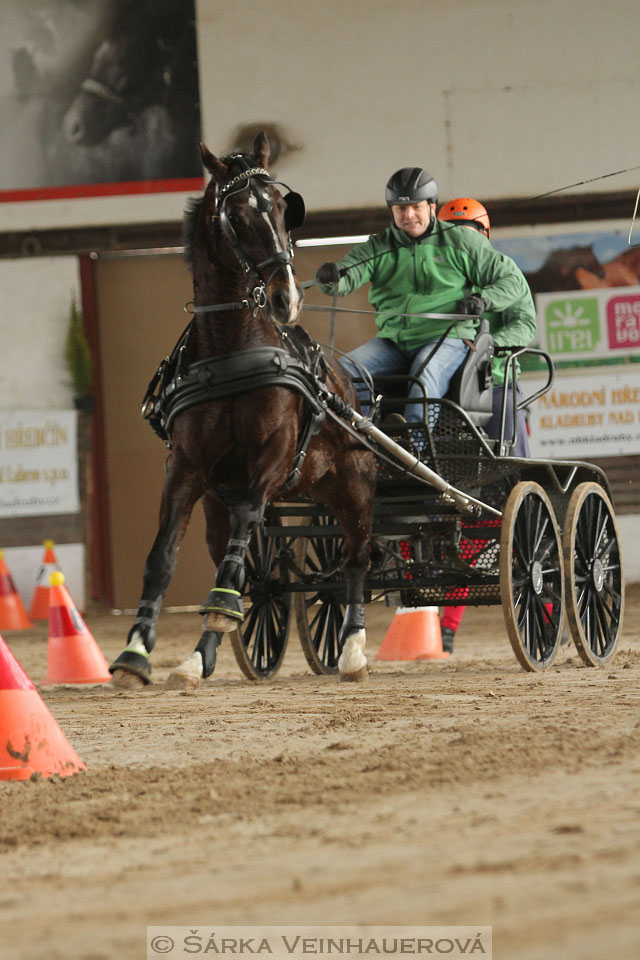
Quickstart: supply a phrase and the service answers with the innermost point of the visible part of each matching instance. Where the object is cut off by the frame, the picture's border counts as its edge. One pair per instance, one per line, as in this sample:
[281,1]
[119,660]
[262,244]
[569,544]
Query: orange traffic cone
[13,616]
[39,609]
[31,742]
[414,634]
[73,656]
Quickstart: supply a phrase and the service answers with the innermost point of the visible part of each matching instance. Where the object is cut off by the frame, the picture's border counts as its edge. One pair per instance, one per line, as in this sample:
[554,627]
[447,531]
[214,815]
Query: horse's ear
[261,149]
[216,167]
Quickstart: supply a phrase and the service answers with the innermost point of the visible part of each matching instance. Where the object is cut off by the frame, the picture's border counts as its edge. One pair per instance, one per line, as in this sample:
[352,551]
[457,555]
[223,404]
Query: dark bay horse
[236,453]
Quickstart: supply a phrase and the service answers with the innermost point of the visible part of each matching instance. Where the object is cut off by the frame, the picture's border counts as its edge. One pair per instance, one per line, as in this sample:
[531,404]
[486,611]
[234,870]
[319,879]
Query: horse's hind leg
[352,663]
[352,504]
[201,663]
[132,667]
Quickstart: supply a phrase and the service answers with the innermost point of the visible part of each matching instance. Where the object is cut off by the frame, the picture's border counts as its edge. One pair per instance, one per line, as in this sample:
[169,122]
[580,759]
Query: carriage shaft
[418,469]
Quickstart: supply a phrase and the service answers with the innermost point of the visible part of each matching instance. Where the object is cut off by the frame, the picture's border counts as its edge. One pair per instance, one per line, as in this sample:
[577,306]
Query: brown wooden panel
[140,315]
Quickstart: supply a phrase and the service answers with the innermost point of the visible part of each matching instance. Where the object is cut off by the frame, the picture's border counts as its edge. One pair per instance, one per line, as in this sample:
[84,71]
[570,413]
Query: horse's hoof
[124,680]
[188,675]
[221,623]
[134,662]
[360,676]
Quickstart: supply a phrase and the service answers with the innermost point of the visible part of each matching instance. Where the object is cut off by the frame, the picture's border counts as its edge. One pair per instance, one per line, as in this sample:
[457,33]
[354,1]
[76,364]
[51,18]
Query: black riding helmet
[411,185]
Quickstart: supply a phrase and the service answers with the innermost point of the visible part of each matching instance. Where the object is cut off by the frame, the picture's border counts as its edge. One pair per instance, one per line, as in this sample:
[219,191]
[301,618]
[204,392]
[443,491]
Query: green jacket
[431,275]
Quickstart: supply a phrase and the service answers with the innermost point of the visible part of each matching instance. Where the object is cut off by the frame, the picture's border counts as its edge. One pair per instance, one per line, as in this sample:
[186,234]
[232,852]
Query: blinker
[295,213]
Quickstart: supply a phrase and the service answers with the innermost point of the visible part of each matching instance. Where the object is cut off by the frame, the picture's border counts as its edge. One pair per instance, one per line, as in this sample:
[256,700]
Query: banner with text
[38,463]
[596,414]
[586,325]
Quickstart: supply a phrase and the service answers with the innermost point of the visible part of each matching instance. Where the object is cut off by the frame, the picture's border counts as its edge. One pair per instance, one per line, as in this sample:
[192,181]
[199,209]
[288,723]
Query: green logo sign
[573,326]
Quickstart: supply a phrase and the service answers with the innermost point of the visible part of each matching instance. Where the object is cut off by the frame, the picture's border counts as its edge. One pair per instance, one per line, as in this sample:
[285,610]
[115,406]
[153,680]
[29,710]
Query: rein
[257,302]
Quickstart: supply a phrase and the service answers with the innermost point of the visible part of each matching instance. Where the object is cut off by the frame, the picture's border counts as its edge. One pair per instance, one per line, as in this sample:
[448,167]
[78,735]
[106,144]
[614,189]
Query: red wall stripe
[123,188]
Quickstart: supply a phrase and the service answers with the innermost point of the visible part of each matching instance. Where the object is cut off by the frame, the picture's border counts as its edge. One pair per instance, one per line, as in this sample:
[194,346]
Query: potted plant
[79,361]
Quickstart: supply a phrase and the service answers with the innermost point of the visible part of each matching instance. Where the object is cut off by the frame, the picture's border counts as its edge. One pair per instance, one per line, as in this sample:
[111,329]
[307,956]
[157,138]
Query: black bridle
[250,178]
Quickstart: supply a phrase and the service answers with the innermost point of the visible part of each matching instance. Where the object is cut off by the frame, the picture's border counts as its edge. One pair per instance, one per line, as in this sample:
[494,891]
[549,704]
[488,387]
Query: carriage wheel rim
[531,576]
[595,574]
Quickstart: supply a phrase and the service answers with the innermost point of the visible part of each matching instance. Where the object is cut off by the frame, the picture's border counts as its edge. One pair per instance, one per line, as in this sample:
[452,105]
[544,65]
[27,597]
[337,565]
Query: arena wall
[497,100]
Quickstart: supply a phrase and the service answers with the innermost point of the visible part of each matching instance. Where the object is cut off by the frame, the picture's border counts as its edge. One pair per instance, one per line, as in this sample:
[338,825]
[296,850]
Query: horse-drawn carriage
[311,508]
[543,543]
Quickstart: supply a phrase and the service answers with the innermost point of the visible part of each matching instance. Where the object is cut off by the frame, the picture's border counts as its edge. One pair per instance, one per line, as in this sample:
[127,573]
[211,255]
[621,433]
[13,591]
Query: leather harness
[216,378]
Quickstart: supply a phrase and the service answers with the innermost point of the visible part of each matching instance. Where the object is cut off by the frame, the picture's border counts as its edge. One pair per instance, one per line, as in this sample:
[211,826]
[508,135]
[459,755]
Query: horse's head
[565,261]
[250,223]
[103,102]
[122,81]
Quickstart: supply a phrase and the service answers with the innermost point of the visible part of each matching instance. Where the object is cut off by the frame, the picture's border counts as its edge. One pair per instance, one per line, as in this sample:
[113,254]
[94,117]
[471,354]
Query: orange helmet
[466,210]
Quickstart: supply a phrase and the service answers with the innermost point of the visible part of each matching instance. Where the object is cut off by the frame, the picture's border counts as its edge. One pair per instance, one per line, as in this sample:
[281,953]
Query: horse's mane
[189,224]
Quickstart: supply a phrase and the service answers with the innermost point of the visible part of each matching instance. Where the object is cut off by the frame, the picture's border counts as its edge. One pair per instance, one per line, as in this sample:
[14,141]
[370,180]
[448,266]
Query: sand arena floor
[463,792]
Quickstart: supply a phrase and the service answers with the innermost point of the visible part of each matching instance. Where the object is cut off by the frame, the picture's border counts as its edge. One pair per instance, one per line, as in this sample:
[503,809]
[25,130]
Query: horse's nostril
[281,302]
[74,129]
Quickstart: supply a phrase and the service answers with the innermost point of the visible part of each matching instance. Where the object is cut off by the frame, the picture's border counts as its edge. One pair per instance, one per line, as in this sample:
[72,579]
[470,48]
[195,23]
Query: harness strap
[234,373]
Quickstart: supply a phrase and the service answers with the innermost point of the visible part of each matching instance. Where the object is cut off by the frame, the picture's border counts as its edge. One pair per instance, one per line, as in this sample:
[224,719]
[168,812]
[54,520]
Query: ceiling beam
[167,235]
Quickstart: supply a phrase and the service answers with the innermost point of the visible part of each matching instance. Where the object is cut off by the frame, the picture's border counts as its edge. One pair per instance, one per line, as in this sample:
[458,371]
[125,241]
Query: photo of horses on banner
[113,100]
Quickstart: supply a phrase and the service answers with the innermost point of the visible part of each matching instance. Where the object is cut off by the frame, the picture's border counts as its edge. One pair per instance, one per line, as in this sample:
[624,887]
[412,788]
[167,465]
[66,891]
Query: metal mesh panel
[456,569]
[450,445]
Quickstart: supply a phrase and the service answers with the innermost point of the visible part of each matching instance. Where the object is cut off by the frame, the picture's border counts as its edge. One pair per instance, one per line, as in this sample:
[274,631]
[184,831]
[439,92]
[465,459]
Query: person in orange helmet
[507,327]
[468,212]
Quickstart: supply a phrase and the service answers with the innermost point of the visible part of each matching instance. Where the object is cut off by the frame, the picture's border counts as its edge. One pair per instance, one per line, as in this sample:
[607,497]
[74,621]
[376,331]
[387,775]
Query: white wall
[35,300]
[496,98]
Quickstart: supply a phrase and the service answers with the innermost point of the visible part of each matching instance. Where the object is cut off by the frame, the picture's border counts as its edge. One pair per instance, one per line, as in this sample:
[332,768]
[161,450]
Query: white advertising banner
[38,463]
[585,324]
[593,414]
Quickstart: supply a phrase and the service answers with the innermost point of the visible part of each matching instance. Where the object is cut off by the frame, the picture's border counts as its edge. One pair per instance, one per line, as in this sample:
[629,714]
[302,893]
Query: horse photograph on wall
[100,97]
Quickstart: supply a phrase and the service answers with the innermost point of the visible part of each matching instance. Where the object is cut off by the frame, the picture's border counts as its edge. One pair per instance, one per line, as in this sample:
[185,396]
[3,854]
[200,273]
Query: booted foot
[447,639]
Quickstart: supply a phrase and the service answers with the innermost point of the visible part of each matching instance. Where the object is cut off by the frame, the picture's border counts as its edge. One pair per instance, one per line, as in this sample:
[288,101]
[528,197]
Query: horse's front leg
[223,609]
[132,668]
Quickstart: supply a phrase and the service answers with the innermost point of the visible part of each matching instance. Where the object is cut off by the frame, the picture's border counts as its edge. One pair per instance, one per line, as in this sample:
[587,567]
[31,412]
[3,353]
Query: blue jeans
[382,356]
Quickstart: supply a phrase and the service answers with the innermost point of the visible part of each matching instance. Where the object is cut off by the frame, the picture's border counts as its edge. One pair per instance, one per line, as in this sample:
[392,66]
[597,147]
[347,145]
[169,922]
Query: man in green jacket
[420,266]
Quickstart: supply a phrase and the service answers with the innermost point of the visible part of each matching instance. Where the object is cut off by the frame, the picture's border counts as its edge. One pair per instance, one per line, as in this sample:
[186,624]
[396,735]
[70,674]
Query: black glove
[328,273]
[475,305]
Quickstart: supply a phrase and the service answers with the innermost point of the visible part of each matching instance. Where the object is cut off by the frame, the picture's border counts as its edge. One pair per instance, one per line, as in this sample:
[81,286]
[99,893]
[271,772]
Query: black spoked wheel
[260,641]
[594,574]
[531,576]
[320,611]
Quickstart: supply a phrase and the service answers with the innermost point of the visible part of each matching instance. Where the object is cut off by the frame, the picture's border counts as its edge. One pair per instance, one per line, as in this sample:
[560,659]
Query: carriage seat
[471,386]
